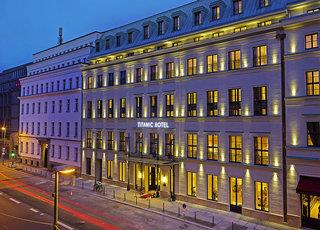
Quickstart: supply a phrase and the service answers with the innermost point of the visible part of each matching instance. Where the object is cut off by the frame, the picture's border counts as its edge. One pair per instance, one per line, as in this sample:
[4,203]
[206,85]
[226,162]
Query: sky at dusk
[29,26]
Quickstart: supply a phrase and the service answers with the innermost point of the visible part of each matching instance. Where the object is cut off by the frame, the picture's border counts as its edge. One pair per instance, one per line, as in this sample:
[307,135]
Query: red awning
[309,185]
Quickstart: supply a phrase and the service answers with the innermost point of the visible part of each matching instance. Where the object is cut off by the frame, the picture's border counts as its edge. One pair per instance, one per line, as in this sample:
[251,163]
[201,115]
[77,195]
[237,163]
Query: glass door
[236,194]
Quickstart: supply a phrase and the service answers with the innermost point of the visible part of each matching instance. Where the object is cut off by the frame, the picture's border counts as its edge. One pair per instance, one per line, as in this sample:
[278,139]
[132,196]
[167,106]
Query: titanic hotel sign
[153,125]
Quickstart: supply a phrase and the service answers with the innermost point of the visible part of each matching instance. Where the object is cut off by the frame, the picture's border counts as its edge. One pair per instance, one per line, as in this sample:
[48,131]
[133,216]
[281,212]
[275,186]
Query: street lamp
[3,129]
[64,169]
[128,155]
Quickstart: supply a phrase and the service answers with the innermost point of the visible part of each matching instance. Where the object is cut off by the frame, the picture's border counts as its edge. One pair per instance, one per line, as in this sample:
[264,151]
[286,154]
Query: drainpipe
[281,37]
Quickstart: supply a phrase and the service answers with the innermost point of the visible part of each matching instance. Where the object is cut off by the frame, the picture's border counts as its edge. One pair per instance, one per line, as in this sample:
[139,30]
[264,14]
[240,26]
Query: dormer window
[97,46]
[264,3]
[146,32]
[107,44]
[237,7]
[215,12]
[118,40]
[160,27]
[198,18]
[130,37]
[176,23]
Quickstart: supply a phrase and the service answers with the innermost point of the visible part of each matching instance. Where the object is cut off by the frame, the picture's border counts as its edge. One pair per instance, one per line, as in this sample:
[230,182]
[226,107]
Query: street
[26,203]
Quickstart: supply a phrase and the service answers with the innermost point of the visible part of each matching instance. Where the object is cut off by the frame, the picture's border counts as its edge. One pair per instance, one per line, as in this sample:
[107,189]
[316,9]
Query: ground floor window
[109,169]
[310,210]
[122,171]
[192,183]
[262,196]
[88,165]
[212,182]
[235,194]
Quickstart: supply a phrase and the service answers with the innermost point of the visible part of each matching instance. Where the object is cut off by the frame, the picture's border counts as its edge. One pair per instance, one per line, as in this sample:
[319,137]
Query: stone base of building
[206,203]
[294,221]
[31,161]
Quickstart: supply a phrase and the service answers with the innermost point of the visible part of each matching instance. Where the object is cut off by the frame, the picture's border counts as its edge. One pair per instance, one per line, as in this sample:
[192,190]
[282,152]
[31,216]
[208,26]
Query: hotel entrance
[153,185]
[236,194]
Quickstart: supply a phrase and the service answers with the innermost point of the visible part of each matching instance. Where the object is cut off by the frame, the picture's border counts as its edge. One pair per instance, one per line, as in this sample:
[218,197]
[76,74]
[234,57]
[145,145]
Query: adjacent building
[191,103]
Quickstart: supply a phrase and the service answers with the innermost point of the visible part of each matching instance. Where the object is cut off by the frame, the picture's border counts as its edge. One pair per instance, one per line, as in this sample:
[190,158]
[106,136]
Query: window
[313,134]
[260,56]
[32,128]
[89,139]
[235,149]
[169,70]
[107,44]
[264,3]
[110,141]
[59,129]
[123,77]
[216,13]
[237,7]
[67,152]
[118,40]
[38,128]
[75,129]
[312,79]
[139,72]
[139,142]
[122,171]
[234,102]
[58,86]
[76,150]
[44,128]
[90,82]
[146,32]
[109,169]
[76,105]
[53,106]
[212,103]
[110,79]
[311,41]
[64,84]
[260,98]
[235,193]
[265,23]
[130,37]
[45,107]
[262,196]
[154,144]
[68,105]
[122,141]
[153,106]
[153,72]
[169,144]
[27,128]
[138,107]
[191,66]
[89,109]
[99,108]
[169,105]
[192,184]
[68,129]
[77,82]
[88,166]
[60,106]
[27,110]
[99,81]
[122,108]
[234,59]
[213,147]
[176,23]
[70,83]
[22,109]
[97,46]
[240,29]
[39,107]
[212,184]
[160,27]
[110,108]
[212,63]
[198,18]
[99,139]
[33,108]
[313,10]
[261,150]
[192,104]
[52,150]
[192,145]
[52,128]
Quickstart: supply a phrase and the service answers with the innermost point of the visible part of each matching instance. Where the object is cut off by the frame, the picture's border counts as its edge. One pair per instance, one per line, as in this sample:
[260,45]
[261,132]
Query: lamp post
[65,169]
[173,196]
[128,155]
[3,129]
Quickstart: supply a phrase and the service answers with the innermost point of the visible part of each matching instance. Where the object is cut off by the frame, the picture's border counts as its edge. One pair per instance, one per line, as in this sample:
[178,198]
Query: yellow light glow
[275,109]
[246,111]
[275,177]
[247,173]
[293,46]
[274,57]
[222,64]
[164,179]
[3,128]
[222,110]
[140,175]
[276,161]
[294,88]
[245,62]
[67,171]
[223,170]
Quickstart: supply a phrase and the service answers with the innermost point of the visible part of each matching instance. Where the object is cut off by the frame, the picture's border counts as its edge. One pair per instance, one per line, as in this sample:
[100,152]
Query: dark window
[110,108]
[234,102]
[234,59]
[198,18]
[176,23]
[139,142]
[139,72]
[89,139]
[118,40]
[122,142]
[153,106]
[89,109]
[153,72]
[88,166]
[212,103]
[68,129]
[154,144]
[313,134]
[110,79]
[97,46]
[169,70]
[260,99]
[169,144]
[107,44]
[123,77]
[237,7]
[191,66]
[192,145]
[146,32]
[260,56]
[99,108]
[192,104]
[138,107]
[99,81]
[110,140]
[130,37]
[213,147]
[312,79]
[160,27]
[169,105]
[216,12]
[235,149]
[122,108]
[261,150]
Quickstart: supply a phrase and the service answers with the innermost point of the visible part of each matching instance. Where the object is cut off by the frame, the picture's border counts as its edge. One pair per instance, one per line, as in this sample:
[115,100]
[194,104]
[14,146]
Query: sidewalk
[207,217]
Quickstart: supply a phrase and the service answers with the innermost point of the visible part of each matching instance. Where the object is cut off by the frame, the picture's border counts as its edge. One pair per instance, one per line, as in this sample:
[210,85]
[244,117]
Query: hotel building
[191,102]
[50,104]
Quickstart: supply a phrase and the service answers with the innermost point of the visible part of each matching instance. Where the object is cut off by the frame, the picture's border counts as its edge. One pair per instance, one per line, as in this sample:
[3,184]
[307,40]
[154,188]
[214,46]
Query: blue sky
[29,26]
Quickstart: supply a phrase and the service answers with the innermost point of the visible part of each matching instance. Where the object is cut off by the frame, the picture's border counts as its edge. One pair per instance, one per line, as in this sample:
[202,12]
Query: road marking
[34,210]
[1,193]
[18,202]
[41,214]
[64,225]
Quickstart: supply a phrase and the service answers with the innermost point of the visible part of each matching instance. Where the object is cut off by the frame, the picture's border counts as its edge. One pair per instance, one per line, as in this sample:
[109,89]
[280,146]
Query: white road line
[41,214]
[1,193]
[18,202]
[64,225]
[34,210]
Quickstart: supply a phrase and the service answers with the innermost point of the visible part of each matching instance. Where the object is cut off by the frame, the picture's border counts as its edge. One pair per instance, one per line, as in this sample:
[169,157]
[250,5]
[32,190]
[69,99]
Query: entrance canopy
[152,161]
[309,185]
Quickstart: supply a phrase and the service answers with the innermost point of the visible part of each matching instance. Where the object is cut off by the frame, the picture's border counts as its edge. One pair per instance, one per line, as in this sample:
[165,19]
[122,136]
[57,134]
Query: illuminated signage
[153,125]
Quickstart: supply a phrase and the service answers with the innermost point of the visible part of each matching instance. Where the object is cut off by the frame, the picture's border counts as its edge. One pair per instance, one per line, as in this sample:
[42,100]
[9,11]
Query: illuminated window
[178,43]
[313,83]
[215,12]
[139,142]
[122,108]
[122,142]
[237,7]
[110,141]
[110,79]
[130,37]
[262,196]
[260,99]
[212,63]
[109,169]
[192,104]
[310,210]
[89,139]
[234,59]
[212,185]
[90,82]
[240,29]
[99,139]
[110,108]
[212,103]
[146,32]
[260,56]
[122,171]
[169,144]
[99,108]
[192,184]
[123,77]
[138,107]
[235,149]
[234,102]
[313,10]
[311,41]
[261,150]
[213,147]
[154,144]
[235,194]
[264,3]
[192,145]
[169,70]
[313,134]
[198,18]
[265,23]
[176,23]
[89,109]
[139,72]
[169,105]
[191,66]
[153,106]
[153,72]
[160,27]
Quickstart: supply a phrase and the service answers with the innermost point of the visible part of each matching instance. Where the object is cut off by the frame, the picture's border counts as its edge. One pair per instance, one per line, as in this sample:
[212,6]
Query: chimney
[60,39]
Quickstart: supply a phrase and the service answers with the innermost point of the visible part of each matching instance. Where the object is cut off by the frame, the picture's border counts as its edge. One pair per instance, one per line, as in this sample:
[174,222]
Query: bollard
[195,216]
[178,211]
[104,191]
[114,194]
[149,203]
[212,220]
[136,200]
[162,206]
[124,197]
